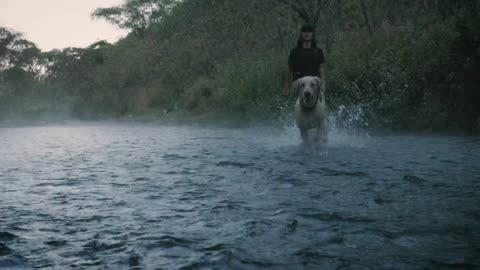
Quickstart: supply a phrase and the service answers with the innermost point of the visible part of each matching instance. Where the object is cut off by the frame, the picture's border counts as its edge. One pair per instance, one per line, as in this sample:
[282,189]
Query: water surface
[146,196]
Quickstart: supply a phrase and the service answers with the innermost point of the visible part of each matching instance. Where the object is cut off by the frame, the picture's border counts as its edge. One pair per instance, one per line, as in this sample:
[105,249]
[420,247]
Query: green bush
[400,76]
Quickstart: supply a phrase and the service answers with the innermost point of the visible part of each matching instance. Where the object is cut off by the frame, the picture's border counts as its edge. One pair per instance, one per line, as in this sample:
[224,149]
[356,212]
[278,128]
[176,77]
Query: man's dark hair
[305,28]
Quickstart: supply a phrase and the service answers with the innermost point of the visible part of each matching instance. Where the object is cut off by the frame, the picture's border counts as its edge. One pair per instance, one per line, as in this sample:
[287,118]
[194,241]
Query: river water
[152,196]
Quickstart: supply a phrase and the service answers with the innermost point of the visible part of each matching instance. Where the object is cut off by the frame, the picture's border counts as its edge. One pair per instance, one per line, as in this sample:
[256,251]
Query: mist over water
[150,196]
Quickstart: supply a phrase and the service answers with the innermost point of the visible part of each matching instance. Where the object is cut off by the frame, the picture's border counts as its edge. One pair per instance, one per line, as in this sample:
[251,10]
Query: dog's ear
[296,87]
[320,89]
[319,84]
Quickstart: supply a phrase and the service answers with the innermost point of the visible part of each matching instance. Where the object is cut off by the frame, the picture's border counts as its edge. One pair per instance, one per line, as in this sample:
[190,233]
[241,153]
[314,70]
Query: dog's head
[310,91]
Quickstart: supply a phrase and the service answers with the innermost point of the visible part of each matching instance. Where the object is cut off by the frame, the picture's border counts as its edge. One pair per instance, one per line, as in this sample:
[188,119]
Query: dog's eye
[302,84]
[312,84]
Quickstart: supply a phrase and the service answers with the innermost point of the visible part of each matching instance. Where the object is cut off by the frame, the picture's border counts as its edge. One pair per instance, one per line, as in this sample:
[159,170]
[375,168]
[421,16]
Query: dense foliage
[400,65]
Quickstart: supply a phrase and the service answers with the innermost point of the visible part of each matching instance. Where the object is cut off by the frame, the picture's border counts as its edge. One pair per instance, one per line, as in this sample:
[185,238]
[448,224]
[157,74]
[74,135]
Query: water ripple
[97,196]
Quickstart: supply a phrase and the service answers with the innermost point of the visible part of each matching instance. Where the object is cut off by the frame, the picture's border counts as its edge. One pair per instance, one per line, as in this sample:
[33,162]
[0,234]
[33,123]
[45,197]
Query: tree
[15,50]
[314,11]
[135,15]
[17,57]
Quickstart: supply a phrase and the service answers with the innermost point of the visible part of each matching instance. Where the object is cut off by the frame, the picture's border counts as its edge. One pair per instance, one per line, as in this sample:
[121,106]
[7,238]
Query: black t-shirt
[305,61]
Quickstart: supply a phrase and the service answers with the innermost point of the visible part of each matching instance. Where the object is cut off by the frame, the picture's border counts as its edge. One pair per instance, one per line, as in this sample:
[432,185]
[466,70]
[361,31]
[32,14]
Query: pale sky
[56,24]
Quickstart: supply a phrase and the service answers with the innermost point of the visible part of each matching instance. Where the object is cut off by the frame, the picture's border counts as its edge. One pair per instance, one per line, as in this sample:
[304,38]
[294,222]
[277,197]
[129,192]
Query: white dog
[311,109]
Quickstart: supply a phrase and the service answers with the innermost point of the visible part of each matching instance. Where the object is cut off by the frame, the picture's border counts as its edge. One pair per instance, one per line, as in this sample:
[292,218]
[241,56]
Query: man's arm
[322,68]
[322,75]
[289,76]
[288,82]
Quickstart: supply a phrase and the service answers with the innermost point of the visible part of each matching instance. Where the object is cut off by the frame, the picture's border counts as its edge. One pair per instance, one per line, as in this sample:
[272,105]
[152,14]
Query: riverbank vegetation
[395,65]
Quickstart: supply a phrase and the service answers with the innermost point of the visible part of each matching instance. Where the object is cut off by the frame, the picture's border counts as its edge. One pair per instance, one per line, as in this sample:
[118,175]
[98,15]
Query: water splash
[347,125]
[351,119]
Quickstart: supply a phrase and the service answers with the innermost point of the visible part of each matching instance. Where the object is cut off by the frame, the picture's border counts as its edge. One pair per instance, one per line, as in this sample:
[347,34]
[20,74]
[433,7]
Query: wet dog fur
[311,110]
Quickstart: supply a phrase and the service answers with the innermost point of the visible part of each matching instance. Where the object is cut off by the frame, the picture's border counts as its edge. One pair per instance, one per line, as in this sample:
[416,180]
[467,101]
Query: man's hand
[287,90]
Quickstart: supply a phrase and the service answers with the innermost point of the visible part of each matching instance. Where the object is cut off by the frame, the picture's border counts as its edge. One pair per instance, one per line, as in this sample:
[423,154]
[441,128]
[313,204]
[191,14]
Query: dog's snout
[307,94]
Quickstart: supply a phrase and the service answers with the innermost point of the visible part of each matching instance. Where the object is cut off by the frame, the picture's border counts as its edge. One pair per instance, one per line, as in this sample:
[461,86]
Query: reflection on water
[183,197]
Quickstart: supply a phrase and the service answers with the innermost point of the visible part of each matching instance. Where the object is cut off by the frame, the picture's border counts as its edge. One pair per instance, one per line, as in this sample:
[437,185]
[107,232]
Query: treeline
[398,65]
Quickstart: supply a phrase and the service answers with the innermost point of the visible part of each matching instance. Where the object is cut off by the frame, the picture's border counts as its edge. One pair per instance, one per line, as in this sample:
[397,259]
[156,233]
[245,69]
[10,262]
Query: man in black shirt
[306,59]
